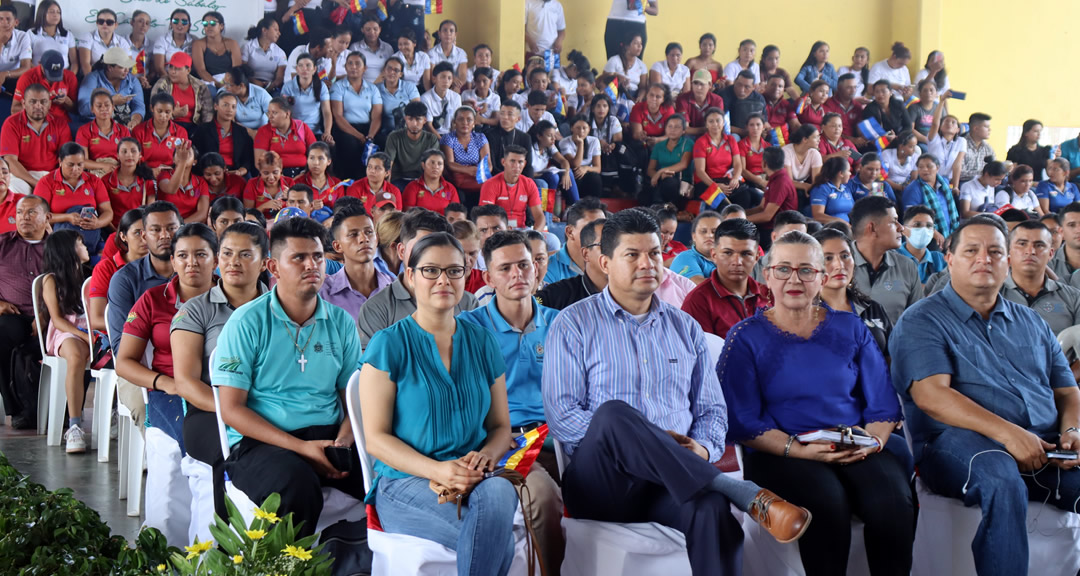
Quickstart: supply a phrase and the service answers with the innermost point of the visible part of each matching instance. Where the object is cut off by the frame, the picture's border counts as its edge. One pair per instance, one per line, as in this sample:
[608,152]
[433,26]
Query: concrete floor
[94,483]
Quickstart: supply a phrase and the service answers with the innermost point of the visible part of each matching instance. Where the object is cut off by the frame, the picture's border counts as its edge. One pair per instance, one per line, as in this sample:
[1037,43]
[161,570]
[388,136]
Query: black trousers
[260,469]
[14,332]
[744,195]
[202,442]
[666,190]
[626,469]
[591,184]
[620,31]
[349,153]
[876,490]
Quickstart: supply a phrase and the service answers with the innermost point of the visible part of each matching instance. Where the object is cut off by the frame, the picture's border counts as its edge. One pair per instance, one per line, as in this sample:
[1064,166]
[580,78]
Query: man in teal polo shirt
[568,262]
[282,364]
[520,327]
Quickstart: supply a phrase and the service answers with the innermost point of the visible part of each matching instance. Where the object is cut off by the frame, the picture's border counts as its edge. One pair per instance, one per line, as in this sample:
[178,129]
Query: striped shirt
[596,351]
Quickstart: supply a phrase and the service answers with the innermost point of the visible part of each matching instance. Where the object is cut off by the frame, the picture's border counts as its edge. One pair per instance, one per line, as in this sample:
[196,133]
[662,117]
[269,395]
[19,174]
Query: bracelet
[1070,429]
[787,449]
[154,385]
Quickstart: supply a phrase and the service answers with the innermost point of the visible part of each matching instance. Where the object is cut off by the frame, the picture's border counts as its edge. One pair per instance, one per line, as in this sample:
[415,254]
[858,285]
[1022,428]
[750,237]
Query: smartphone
[496,472]
[87,212]
[1061,454]
[957,95]
[340,457]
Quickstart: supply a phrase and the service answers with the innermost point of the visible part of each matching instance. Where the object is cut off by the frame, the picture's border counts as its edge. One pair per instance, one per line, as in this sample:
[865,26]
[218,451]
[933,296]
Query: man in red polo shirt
[780,194]
[512,192]
[29,141]
[843,103]
[779,111]
[694,103]
[59,81]
[730,294]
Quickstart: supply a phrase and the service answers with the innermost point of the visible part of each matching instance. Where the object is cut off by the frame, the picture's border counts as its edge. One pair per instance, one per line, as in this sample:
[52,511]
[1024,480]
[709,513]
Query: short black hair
[456,207]
[226,204]
[159,98]
[422,219]
[917,209]
[1051,216]
[166,206]
[844,77]
[1014,215]
[196,230]
[295,228]
[502,239]
[302,188]
[737,228]
[1069,208]
[514,149]
[746,74]
[442,67]
[978,117]
[954,243]
[731,209]
[415,109]
[773,158]
[591,233]
[347,202]
[537,98]
[433,240]
[866,208]
[626,222]
[344,213]
[787,218]
[489,210]
[251,230]
[508,103]
[1028,225]
[587,204]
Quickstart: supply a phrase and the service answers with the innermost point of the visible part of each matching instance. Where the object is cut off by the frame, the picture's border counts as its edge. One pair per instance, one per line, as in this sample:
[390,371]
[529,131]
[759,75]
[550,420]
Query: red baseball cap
[180,60]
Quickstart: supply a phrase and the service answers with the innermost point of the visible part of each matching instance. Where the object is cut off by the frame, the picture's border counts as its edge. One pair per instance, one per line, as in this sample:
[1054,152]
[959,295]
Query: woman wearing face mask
[838,289]
[919,233]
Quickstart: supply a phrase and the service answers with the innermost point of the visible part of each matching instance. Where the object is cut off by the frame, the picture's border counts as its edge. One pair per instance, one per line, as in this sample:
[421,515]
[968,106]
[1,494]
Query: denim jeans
[483,537]
[551,182]
[997,486]
[91,238]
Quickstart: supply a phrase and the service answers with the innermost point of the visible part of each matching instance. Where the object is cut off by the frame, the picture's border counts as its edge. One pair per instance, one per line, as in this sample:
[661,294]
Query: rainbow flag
[527,448]
[881,143]
[382,11]
[713,196]
[483,170]
[779,136]
[612,89]
[323,73]
[356,6]
[560,103]
[140,63]
[802,105]
[913,99]
[433,7]
[300,23]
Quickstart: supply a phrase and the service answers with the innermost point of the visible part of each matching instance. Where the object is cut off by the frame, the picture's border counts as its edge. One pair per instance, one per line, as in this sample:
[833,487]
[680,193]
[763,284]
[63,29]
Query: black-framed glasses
[433,272]
[105,22]
[209,23]
[180,21]
[805,273]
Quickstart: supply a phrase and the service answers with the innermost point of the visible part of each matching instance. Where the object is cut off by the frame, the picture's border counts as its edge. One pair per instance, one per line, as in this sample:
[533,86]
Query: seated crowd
[307,201]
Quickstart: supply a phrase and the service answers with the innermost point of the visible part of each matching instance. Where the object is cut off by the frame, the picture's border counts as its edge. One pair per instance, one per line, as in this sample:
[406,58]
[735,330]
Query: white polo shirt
[374,59]
[619,11]
[457,56]
[415,72]
[263,63]
[673,80]
[543,21]
[42,43]
[18,48]
[569,149]
[167,47]
[435,108]
[97,46]
[322,65]
[494,76]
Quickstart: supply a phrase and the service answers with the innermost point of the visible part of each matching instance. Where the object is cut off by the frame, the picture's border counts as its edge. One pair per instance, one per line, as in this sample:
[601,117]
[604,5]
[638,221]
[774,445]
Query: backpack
[20,392]
[346,542]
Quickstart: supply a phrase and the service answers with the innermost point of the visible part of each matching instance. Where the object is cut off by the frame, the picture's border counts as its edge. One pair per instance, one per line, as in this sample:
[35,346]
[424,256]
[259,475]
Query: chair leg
[3,414]
[57,404]
[44,388]
[103,414]
[135,471]
[122,455]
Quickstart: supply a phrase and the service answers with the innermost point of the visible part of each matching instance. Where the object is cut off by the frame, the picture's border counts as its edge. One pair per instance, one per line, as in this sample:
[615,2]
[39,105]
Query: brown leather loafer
[784,520]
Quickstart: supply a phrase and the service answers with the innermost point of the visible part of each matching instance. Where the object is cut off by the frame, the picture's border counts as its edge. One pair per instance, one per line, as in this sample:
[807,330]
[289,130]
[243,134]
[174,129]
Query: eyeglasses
[593,245]
[805,273]
[209,23]
[433,272]
[180,21]
[105,22]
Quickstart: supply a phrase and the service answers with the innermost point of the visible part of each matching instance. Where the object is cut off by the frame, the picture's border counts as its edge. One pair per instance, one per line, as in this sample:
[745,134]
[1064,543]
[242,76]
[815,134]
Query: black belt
[526,428]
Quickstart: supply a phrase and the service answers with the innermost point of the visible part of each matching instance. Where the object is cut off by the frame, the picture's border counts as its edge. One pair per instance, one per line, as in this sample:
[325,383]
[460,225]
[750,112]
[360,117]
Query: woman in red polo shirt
[647,117]
[185,189]
[318,176]
[132,184]
[267,192]
[101,137]
[69,190]
[219,181]
[431,190]
[130,246]
[833,144]
[288,137]
[376,188]
[809,110]
[159,135]
[194,250]
[753,146]
[717,158]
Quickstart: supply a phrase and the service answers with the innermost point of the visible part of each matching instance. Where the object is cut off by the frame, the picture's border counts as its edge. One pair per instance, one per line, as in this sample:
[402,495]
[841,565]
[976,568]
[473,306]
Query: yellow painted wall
[496,23]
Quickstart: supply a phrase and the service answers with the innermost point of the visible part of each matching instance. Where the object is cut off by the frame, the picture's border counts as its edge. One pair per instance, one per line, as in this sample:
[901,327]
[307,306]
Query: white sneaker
[75,440]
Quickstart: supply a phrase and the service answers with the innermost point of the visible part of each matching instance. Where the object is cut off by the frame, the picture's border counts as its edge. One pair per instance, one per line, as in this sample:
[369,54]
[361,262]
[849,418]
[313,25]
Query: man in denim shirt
[987,391]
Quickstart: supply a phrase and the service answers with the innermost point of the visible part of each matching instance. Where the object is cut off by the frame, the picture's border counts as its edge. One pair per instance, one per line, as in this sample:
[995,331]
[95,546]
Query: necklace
[303,360]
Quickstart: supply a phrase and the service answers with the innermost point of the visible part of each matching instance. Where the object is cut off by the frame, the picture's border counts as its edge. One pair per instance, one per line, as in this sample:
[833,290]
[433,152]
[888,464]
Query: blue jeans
[998,487]
[91,238]
[552,180]
[483,538]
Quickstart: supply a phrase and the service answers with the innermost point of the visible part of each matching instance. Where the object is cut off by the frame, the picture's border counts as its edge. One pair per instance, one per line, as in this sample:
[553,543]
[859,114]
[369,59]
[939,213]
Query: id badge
[512,223]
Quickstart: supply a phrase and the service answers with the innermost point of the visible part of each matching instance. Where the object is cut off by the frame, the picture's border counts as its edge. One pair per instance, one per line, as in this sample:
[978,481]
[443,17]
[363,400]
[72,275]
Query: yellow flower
[160,567]
[297,552]
[237,559]
[268,516]
[198,548]
[255,534]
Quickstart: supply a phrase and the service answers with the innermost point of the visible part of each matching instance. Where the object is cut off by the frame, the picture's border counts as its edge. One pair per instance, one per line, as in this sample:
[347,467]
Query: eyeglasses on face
[181,21]
[433,272]
[105,21]
[805,273]
[209,23]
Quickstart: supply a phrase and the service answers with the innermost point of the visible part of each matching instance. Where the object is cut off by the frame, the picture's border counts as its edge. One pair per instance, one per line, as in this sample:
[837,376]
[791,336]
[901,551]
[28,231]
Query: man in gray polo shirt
[1029,251]
[397,302]
[1066,261]
[890,278]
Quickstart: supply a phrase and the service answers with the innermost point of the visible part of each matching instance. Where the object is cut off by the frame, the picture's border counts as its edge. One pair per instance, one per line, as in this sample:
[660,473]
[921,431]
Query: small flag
[802,106]
[779,136]
[713,196]
[369,149]
[526,449]
[871,129]
[483,170]
[356,6]
[911,100]
[547,197]
[140,63]
[382,11]
[881,143]
[551,60]
[884,168]
[612,89]
[727,123]
[299,23]
[433,7]
[560,103]
[323,74]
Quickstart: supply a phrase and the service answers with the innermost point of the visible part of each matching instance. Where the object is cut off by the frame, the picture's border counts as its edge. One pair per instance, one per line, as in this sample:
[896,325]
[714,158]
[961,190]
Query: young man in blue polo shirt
[568,262]
[283,362]
[520,326]
[696,264]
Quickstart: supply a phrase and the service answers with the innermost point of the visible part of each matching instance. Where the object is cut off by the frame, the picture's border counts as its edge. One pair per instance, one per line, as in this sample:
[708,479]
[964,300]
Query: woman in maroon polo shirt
[283,134]
[132,184]
[833,144]
[811,105]
[101,137]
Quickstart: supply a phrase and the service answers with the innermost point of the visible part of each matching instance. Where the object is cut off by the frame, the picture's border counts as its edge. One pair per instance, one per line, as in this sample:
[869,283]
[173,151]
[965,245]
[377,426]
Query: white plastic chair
[337,505]
[52,394]
[104,391]
[130,447]
[395,554]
